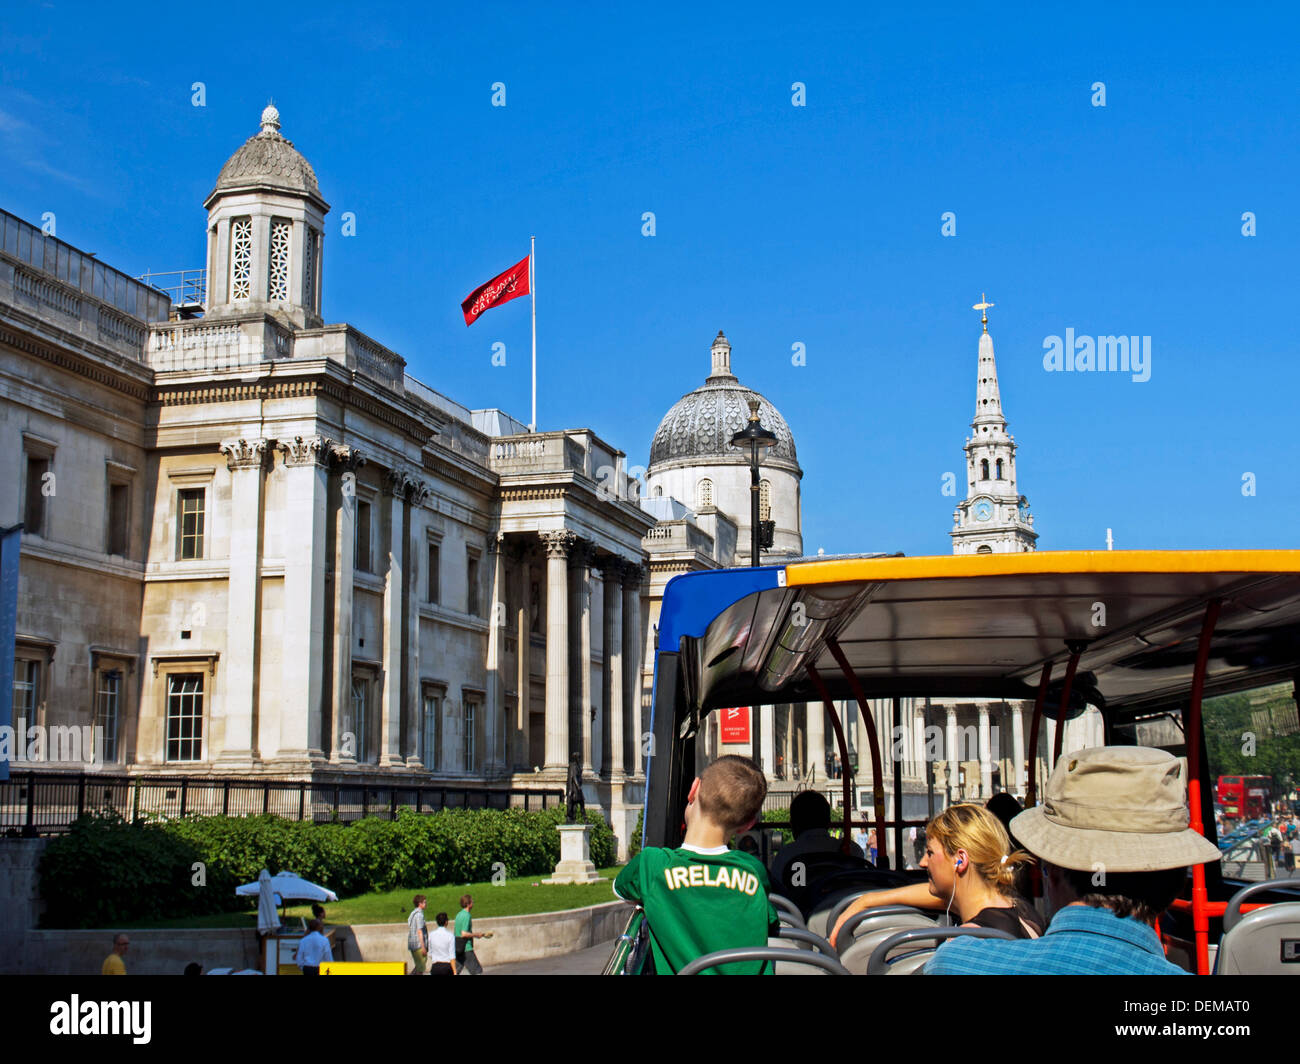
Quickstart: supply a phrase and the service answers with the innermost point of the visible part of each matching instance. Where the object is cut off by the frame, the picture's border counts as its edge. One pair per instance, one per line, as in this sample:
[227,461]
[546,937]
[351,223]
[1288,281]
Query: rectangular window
[241,258]
[360,707]
[27,689]
[363,536]
[185,717]
[429,731]
[34,503]
[435,563]
[190,512]
[107,714]
[471,579]
[467,735]
[119,518]
[309,269]
[277,264]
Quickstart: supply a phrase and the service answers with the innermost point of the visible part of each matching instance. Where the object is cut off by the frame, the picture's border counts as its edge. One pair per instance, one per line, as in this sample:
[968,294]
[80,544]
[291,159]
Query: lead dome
[701,423]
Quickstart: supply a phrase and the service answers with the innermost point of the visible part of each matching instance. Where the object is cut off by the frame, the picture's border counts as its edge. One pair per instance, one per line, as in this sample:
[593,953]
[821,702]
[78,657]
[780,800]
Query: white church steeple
[994,517]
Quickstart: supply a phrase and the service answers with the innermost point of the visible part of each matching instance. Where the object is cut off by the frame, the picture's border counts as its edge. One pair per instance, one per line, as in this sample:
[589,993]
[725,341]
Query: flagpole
[532,289]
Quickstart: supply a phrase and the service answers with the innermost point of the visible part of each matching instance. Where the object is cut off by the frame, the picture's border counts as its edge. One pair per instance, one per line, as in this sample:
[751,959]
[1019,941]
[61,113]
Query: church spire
[988,400]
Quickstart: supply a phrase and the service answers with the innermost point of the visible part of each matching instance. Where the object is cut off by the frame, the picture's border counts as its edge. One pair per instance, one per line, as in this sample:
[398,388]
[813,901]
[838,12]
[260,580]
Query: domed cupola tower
[266,220]
[692,460]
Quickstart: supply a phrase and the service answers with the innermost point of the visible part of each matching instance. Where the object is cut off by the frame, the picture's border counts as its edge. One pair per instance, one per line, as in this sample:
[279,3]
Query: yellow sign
[363,968]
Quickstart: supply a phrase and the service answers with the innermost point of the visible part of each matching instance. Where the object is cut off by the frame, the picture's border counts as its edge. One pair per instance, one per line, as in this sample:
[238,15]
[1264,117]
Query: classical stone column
[986,760]
[520,754]
[767,741]
[494,696]
[558,545]
[918,739]
[954,777]
[633,575]
[346,462]
[299,731]
[396,485]
[580,558]
[246,460]
[418,492]
[1018,747]
[611,694]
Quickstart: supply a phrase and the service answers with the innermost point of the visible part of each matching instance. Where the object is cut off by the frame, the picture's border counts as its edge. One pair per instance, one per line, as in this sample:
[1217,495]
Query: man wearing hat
[1113,839]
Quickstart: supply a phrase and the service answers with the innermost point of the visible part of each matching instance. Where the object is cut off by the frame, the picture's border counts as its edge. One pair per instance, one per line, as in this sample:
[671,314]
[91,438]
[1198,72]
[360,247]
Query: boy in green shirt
[702,896]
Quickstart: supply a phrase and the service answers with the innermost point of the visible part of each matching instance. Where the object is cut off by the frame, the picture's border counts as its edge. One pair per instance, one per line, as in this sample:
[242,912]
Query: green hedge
[107,870]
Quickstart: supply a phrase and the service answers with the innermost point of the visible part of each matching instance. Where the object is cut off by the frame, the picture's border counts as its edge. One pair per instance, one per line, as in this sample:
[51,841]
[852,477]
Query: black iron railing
[46,803]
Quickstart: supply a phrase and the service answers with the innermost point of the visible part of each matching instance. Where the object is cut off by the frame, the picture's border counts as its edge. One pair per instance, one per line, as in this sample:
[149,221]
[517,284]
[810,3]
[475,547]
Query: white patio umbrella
[289,886]
[268,920]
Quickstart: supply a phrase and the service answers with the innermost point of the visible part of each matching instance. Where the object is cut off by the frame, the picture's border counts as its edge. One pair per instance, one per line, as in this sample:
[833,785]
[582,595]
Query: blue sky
[818,225]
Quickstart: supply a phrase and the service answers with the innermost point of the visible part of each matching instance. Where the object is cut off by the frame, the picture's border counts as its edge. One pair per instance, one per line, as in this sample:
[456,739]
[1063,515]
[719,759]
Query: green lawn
[514,897]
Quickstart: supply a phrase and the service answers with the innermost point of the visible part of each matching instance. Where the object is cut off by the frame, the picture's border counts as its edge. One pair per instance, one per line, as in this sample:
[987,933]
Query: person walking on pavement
[466,962]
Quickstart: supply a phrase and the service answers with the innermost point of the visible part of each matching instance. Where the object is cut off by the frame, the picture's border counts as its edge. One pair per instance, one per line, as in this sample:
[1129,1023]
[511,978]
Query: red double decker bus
[1244,797]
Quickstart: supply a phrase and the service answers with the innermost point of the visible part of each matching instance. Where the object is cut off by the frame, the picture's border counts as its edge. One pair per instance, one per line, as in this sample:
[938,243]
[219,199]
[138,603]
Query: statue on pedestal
[575,804]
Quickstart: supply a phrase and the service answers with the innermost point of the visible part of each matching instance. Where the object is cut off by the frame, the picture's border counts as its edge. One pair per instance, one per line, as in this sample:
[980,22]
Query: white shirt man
[442,948]
[313,950]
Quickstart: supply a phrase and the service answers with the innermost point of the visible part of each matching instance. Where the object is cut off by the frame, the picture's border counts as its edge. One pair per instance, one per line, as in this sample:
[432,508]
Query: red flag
[516,281]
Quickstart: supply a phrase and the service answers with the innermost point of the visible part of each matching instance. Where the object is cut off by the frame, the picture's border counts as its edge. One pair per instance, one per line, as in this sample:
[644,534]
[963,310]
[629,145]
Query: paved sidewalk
[585,962]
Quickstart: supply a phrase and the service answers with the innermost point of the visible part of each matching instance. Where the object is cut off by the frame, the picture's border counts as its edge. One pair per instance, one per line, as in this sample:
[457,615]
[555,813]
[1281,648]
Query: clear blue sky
[779,224]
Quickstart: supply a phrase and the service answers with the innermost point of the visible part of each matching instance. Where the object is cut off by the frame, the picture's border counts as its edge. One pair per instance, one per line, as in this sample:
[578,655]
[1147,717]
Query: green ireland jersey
[697,903]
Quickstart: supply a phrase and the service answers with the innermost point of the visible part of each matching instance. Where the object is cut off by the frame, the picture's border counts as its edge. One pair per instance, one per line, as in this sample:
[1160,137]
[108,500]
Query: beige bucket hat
[1123,807]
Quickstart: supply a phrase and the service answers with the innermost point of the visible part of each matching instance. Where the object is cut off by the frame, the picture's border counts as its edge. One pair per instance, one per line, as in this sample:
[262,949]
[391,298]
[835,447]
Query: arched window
[984,548]
[765,500]
[706,492]
[999,468]
[659,491]
[984,469]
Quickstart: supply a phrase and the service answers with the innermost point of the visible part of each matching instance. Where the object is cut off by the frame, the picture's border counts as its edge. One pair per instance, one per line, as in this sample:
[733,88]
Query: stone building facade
[255,545]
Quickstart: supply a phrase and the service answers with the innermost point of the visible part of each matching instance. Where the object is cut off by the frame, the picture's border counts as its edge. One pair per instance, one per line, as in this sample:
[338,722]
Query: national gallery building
[255,546]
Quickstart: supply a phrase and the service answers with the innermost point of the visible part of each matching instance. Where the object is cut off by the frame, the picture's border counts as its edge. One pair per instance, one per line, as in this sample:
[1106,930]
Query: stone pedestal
[575,856]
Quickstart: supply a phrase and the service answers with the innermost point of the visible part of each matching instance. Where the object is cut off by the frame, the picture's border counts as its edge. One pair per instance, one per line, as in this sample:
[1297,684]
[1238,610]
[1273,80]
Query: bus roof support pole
[1031,792]
[895,764]
[1192,731]
[1076,649]
[844,756]
[877,772]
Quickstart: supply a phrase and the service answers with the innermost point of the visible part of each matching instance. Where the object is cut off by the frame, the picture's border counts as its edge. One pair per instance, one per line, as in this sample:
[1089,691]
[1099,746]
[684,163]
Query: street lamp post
[755,439]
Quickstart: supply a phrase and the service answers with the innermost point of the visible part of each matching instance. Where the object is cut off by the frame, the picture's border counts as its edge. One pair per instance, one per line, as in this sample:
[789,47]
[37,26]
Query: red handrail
[1192,730]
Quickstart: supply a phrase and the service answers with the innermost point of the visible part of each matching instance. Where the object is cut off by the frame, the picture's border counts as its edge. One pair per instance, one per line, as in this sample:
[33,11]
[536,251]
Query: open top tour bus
[1138,634]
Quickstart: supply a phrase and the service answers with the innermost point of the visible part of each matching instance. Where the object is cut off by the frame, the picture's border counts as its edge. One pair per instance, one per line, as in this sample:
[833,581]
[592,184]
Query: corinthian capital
[582,554]
[397,482]
[558,544]
[420,491]
[244,454]
[633,576]
[346,459]
[305,450]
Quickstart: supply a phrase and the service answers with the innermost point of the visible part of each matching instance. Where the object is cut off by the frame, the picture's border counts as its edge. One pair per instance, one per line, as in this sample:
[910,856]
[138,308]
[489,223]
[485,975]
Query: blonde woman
[972,873]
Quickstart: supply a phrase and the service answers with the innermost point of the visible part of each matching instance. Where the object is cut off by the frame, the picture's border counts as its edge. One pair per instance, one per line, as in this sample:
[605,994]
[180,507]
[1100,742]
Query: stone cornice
[84,365]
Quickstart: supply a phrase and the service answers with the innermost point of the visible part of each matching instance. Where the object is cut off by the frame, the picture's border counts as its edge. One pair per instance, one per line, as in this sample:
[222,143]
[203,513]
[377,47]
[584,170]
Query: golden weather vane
[983,307]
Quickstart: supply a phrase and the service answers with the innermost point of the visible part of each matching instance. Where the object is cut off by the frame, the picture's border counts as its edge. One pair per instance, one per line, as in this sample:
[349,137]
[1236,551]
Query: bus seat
[810,958]
[898,948]
[786,910]
[865,931]
[1262,942]
[798,938]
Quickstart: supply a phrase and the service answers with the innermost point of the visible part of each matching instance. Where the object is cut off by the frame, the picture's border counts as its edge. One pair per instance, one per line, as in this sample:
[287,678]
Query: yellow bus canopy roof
[983,626]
